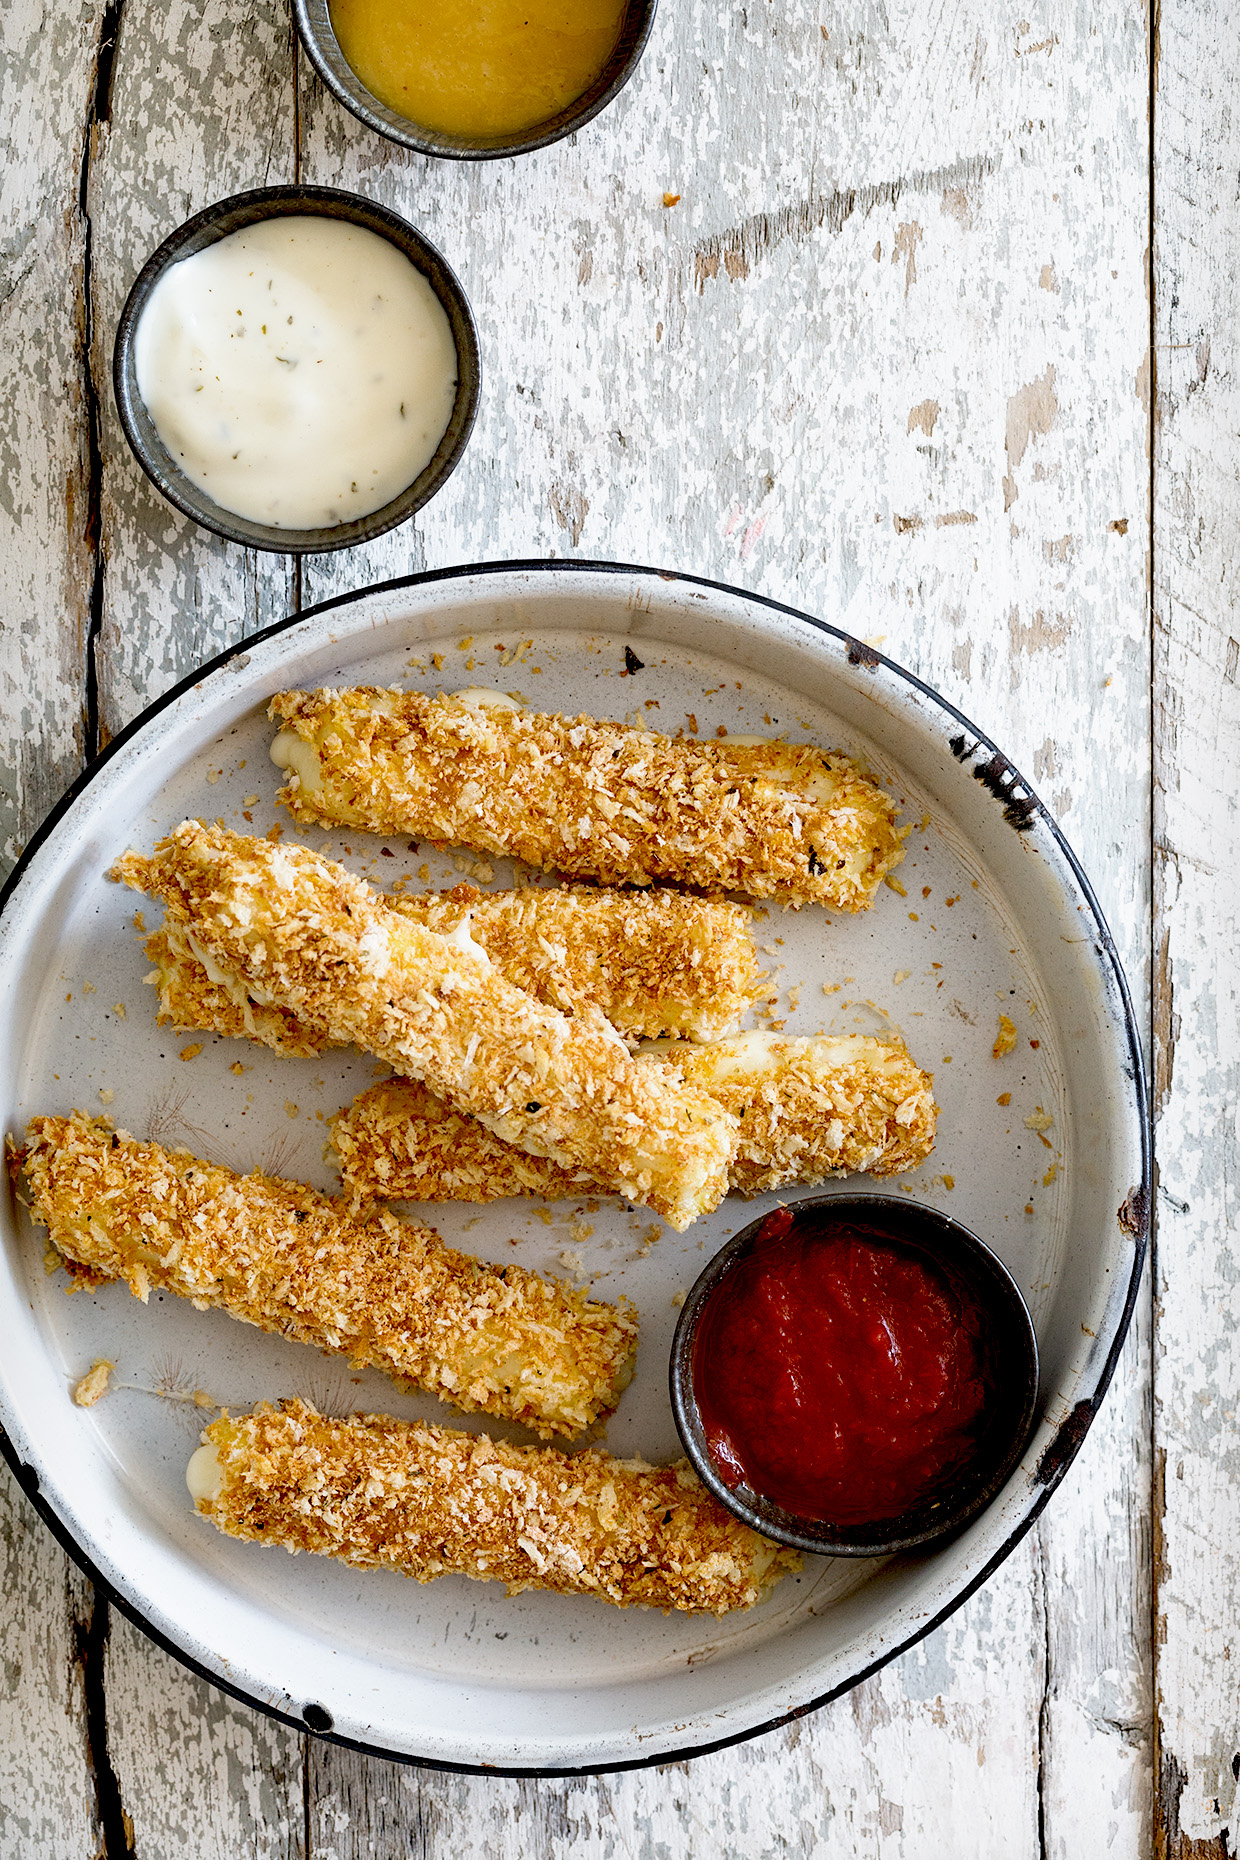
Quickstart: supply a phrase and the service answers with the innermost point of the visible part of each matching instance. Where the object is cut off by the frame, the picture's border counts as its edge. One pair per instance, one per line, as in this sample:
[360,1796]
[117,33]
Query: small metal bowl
[314,27]
[229,216]
[962,1494]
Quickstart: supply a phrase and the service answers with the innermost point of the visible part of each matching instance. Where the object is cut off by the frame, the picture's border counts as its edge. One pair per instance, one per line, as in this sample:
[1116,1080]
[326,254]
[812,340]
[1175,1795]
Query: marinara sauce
[839,1371]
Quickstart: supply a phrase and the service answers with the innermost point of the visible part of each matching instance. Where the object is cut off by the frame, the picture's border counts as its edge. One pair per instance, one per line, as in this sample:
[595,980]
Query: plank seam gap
[1044,1704]
[307,1792]
[98,113]
[1168,1778]
[115,1826]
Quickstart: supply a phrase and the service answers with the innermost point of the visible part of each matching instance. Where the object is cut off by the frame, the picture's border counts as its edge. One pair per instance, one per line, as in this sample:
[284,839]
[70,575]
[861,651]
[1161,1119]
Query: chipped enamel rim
[234,680]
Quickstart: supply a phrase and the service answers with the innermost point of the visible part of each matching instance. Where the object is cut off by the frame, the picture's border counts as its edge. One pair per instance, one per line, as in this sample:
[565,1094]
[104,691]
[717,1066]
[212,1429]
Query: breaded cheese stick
[310,936]
[434,1501]
[653,962]
[399,1141]
[815,1106]
[809,1108]
[589,799]
[387,1294]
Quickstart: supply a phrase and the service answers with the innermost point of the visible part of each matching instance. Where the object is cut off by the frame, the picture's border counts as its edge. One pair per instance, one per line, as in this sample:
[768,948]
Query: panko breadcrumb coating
[591,799]
[399,1142]
[815,1106]
[809,1108]
[433,1501]
[653,962]
[308,935]
[387,1294]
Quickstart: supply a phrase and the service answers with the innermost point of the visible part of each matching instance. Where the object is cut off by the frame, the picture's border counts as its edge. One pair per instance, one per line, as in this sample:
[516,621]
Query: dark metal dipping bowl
[1009,1419]
[314,27]
[229,216]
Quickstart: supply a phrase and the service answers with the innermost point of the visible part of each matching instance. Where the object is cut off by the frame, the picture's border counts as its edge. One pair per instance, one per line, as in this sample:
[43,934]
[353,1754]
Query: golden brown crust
[816,1108]
[400,1142]
[594,799]
[387,1294]
[653,962]
[309,936]
[431,1501]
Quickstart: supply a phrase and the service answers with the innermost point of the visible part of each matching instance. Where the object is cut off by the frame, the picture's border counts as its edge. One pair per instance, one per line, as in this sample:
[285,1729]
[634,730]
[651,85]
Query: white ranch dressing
[301,371]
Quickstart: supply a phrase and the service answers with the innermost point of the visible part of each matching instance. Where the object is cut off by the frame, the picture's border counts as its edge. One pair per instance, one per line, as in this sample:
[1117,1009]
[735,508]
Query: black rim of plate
[1020,803]
[314,28]
[250,209]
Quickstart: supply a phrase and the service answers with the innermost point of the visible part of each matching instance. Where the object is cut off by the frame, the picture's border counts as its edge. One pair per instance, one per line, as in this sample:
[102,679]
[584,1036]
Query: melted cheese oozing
[296,756]
[462,938]
[820,787]
[483,697]
[204,1475]
[745,1055]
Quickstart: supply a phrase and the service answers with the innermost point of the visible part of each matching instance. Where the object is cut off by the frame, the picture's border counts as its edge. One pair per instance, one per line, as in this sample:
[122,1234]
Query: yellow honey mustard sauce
[477,68]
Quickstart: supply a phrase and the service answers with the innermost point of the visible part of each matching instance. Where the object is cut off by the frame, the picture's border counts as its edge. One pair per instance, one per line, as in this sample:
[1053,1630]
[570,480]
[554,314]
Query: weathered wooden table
[850,304]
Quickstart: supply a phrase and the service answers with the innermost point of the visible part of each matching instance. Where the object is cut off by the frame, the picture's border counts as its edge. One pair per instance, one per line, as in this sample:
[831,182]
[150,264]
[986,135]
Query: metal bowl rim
[250,208]
[314,28]
[971,1247]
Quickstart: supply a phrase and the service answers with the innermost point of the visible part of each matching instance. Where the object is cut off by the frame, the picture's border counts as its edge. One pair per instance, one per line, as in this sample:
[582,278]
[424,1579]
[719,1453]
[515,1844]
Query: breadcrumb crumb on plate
[94,1384]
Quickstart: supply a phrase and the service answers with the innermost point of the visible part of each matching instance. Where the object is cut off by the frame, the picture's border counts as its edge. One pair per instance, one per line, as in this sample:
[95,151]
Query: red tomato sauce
[840,1372]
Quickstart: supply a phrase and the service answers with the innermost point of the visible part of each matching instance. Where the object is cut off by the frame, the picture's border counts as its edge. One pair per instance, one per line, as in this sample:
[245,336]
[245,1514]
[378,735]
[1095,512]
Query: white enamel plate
[1041,1152]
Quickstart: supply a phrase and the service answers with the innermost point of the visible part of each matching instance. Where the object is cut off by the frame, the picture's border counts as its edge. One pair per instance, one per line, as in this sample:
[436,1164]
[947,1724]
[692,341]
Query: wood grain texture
[47,1796]
[883,359]
[47,76]
[198,1773]
[48,1801]
[930,1758]
[200,106]
[945,238]
[1197,750]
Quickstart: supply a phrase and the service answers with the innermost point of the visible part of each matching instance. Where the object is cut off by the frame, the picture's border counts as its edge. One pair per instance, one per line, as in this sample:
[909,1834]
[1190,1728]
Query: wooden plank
[47,71]
[1096,1733]
[199,1775]
[1197,749]
[47,1794]
[200,106]
[48,1798]
[882,361]
[870,1775]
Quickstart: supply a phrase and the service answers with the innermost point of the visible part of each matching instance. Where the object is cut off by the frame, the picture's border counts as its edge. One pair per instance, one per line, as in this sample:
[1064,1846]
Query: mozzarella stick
[813,1107]
[400,1142]
[434,1501]
[653,962]
[590,799]
[809,1108]
[310,936]
[387,1294]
